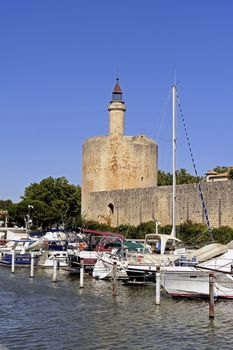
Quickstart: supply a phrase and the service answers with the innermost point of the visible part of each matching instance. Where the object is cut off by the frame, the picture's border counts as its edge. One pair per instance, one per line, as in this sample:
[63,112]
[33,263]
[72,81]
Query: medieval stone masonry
[120,181]
[134,206]
[116,161]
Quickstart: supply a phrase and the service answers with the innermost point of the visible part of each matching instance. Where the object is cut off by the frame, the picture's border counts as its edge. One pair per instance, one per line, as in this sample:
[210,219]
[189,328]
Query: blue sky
[58,63]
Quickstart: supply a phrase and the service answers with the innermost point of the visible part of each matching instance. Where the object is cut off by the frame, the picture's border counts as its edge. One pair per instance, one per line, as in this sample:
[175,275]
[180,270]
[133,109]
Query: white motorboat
[46,260]
[141,268]
[103,268]
[54,244]
[193,281]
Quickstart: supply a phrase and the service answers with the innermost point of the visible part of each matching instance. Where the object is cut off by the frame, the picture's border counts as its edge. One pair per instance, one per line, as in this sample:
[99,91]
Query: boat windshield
[162,243]
[172,245]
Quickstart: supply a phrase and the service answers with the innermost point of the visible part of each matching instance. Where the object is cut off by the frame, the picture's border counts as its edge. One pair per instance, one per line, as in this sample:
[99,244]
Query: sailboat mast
[173,161]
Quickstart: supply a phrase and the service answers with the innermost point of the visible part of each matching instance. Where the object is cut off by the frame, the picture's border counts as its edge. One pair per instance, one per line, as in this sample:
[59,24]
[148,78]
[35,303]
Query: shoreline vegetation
[192,234]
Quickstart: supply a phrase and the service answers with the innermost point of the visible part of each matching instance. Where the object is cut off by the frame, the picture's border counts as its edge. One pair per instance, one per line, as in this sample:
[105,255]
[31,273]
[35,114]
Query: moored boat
[21,260]
[96,243]
[103,268]
[193,281]
[141,268]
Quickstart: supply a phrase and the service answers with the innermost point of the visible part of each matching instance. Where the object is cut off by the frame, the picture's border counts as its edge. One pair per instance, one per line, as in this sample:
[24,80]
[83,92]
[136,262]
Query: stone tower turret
[116,162]
[116,110]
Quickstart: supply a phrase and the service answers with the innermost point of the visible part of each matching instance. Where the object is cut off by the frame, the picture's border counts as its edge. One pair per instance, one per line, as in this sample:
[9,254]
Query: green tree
[164,179]
[220,169]
[18,212]
[5,204]
[230,174]
[182,177]
[55,202]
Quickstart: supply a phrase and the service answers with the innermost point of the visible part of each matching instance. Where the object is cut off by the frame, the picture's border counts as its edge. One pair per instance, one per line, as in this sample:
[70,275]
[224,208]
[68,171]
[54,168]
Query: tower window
[142,178]
[111,207]
[117,96]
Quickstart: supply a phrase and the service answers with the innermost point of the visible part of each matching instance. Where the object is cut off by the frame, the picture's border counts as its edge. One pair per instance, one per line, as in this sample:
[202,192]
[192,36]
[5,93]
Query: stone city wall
[134,206]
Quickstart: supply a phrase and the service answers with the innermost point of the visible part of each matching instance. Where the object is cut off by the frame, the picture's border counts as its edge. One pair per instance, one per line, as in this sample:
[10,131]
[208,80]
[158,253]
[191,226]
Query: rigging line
[163,114]
[195,169]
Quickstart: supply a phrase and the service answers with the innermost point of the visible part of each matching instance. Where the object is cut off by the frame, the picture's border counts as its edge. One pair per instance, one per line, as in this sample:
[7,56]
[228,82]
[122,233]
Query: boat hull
[21,260]
[103,269]
[195,284]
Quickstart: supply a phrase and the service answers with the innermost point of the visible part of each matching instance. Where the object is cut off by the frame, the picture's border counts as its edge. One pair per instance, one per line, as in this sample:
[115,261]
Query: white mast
[173,233]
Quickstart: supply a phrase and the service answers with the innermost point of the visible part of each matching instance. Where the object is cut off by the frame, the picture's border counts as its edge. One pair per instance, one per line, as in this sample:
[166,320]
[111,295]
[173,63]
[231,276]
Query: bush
[192,234]
[223,234]
[93,225]
[127,230]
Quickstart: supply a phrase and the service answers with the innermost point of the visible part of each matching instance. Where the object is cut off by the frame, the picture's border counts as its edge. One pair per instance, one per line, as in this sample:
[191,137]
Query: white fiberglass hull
[190,282]
[104,267]
[47,259]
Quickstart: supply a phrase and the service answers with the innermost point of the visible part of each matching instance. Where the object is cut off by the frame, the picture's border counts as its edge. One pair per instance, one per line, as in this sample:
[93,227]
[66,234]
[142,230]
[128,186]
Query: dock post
[158,284]
[81,273]
[114,279]
[32,265]
[54,268]
[13,261]
[211,295]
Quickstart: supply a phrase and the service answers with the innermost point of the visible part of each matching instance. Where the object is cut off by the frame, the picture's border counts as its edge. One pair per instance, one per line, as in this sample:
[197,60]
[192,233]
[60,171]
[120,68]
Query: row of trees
[184,177]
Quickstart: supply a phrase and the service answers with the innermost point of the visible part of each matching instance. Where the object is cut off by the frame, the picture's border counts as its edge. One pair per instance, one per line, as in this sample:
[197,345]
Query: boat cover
[208,252]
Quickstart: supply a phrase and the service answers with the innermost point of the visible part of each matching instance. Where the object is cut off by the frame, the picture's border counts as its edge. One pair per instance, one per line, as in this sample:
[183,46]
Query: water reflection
[39,314]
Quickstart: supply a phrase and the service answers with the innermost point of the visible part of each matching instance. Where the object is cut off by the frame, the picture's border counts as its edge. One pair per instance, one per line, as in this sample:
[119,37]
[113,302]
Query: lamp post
[28,217]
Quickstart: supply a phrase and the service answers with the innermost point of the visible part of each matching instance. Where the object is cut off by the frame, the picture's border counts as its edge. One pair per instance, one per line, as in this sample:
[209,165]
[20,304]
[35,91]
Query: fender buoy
[46,245]
[82,246]
[139,258]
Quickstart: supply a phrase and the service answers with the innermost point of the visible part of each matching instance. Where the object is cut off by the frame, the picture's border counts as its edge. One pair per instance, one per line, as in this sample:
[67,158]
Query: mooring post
[81,273]
[114,279]
[32,265]
[13,261]
[158,285]
[54,268]
[211,294]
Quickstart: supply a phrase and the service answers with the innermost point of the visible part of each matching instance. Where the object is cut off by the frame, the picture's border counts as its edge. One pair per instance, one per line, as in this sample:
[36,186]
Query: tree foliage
[182,177]
[52,202]
[230,174]
[220,169]
[164,178]
[5,204]
[193,235]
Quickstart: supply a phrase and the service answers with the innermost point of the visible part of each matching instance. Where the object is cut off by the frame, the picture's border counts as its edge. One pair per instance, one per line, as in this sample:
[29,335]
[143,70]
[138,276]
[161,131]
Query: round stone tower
[116,161]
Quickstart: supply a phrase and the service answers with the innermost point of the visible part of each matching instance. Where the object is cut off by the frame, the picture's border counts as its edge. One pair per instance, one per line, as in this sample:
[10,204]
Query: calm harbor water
[39,314]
